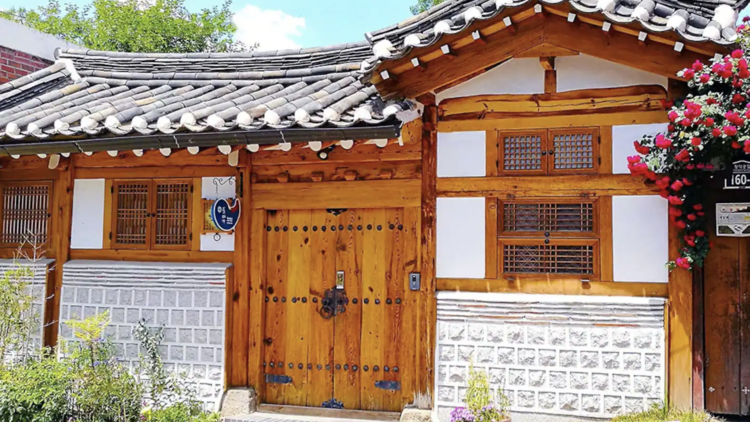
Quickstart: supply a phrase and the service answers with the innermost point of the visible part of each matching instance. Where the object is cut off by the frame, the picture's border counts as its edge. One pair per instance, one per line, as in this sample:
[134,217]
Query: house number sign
[739,177]
[733,220]
[225,213]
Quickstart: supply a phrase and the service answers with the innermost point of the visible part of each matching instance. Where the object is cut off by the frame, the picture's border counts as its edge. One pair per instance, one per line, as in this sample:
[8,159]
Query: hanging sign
[225,213]
[739,175]
[733,220]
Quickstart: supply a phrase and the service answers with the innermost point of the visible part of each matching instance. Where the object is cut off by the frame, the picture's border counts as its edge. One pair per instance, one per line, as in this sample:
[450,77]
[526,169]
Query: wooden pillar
[428,305]
[680,331]
[60,237]
[237,330]
[257,295]
[698,338]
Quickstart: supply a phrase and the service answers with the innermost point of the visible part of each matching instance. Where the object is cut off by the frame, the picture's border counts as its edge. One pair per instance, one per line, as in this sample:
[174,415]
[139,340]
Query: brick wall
[14,64]
[572,356]
[187,300]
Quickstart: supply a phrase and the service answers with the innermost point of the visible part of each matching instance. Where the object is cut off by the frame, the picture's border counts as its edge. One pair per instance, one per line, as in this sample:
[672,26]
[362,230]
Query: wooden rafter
[546,50]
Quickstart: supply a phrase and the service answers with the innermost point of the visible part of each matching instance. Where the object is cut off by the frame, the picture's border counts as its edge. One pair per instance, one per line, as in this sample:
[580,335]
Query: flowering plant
[481,406]
[706,131]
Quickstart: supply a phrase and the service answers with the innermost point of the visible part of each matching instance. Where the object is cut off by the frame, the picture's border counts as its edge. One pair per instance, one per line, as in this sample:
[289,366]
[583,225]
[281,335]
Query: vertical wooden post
[699,353]
[427,311]
[240,300]
[60,236]
[679,345]
[257,303]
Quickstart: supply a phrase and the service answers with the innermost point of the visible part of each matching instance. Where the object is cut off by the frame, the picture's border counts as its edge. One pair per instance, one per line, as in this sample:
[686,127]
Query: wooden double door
[727,326]
[340,317]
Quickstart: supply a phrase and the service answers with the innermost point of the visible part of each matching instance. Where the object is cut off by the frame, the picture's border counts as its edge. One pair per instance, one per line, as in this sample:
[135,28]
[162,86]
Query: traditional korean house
[351,226]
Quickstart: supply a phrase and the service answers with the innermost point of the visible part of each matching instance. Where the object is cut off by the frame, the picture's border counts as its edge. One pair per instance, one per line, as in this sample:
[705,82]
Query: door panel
[744,258]
[361,357]
[722,326]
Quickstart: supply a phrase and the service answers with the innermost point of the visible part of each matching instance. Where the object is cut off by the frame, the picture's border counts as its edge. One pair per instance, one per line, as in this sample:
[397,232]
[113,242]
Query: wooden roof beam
[548,63]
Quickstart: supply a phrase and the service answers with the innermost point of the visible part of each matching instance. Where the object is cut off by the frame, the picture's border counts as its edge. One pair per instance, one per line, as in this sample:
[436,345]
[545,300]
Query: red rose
[744,74]
[676,186]
[692,217]
[633,159]
[681,224]
[736,145]
[686,122]
[686,182]
[664,194]
[683,263]
[700,233]
[738,98]
[716,132]
[709,166]
[683,155]
[700,166]
[688,73]
[675,200]
[640,148]
[675,212]
[737,54]
[695,141]
[705,78]
[730,130]
[690,242]
[663,142]
[673,115]
[667,103]
[697,66]
[709,121]
[701,213]
[663,182]
[689,166]
[746,148]
[698,207]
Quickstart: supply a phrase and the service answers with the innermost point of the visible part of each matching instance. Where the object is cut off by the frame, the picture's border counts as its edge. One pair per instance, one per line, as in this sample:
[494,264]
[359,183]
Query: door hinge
[388,385]
[278,379]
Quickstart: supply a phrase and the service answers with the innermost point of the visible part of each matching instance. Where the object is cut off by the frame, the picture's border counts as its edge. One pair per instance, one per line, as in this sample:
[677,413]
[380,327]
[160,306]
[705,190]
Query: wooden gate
[340,319]
[727,326]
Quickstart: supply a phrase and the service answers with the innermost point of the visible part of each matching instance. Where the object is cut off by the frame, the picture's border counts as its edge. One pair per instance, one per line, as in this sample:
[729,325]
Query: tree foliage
[164,26]
[423,5]
[707,131]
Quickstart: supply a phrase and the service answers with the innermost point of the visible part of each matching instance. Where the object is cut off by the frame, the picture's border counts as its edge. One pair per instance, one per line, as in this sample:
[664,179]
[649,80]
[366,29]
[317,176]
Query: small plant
[660,412]
[17,316]
[481,406]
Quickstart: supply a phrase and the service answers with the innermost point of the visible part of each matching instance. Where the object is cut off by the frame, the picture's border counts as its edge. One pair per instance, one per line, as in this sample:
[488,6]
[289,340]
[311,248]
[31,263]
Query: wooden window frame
[50,199]
[596,264]
[151,212]
[556,234]
[548,151]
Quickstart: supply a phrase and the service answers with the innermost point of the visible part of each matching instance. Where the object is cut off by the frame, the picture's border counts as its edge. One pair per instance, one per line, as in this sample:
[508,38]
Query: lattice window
[25,213]
[151,214]
[567,218]
[553,258]
[549,151]
[574,150]
[523,152]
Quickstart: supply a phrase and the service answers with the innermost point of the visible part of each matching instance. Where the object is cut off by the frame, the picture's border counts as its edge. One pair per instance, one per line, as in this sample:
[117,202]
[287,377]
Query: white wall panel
[622,143]
[586,72]
[215,188]
[517,76]
[87,231]
[640,238]
[461,154]
[460,237]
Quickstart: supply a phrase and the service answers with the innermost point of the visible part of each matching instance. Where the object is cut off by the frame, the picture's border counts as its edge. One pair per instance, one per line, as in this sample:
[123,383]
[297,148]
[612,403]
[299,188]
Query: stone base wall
[559,355]
[36,288]
[187,300]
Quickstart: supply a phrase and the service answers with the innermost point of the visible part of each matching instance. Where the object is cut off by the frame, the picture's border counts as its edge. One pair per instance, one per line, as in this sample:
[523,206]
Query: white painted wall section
[622,143]
[640,235]
[87,231]
[461,154]
[516,76]
[587,72]
[215,188]
[460,237]
[22,38]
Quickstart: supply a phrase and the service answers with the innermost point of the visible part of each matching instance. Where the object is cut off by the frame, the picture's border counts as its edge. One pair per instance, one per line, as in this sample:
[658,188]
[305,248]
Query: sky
[280,24]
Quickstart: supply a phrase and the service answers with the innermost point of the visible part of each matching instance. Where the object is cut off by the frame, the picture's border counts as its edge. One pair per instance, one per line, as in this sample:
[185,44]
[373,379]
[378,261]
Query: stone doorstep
[274,413]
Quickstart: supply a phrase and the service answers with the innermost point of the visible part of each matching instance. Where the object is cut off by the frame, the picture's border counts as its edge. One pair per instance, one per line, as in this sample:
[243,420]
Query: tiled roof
[694,20]
[94,93]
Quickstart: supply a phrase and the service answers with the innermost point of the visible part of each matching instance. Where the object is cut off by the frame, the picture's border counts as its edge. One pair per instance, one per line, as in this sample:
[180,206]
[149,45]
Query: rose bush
[706,131]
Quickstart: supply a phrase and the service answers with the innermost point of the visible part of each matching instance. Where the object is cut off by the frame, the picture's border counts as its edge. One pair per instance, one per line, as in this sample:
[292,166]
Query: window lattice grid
[548,259]
[523,152]
[172,202]
[25,213]
[132,213]
[548,217]
[573,150]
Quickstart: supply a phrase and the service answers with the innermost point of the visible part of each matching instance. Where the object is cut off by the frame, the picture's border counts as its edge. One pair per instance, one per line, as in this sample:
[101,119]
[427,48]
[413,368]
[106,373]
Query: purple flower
[462,414]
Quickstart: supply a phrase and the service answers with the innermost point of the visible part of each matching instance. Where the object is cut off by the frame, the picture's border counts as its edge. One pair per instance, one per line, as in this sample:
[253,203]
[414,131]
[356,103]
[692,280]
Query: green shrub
[481,406]
[35,391]
[180,412]
[660,412]
[17,319]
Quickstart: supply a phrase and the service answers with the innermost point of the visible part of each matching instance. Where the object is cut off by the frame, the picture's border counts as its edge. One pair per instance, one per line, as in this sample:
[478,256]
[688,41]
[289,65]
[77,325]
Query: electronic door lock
[415,281]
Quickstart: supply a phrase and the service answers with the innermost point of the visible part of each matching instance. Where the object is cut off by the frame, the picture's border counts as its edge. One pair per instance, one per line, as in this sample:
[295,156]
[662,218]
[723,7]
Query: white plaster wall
[640,235]
[87,231]
[186,299]
[461,154]
[586,72]
[574,356]
[516,76]
[22,38]
[215,188]
[460,237]
[622,143]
